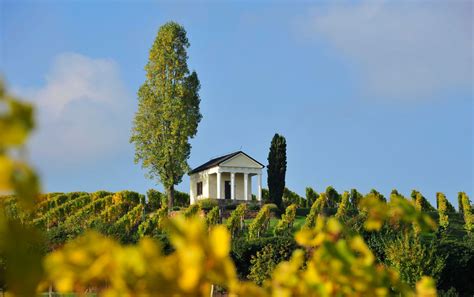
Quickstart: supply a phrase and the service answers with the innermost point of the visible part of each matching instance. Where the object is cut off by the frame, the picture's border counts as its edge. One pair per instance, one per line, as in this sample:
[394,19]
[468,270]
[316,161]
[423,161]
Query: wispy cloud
[84,111]
[401,49]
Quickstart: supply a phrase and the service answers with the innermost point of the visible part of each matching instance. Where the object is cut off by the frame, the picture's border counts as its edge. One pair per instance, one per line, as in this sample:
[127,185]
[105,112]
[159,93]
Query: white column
[259,189]
[232,187]
[218,185]
[246,186]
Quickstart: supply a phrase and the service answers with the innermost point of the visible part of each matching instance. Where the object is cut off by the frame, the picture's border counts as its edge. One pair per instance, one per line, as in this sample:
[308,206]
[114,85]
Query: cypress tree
[276,170]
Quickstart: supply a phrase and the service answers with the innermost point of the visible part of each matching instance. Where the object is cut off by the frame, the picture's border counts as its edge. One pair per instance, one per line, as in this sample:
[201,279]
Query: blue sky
[369,94]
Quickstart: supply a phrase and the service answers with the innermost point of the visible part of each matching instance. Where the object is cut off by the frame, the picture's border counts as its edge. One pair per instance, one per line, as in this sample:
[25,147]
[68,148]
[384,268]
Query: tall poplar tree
[276,170]
[168,110]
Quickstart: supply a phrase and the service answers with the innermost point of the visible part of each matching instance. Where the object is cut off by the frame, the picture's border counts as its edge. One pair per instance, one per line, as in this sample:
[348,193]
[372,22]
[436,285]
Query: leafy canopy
[168,109]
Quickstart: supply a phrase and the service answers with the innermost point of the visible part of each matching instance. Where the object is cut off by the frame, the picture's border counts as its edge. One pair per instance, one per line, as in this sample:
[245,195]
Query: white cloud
[401,49]
[83,111]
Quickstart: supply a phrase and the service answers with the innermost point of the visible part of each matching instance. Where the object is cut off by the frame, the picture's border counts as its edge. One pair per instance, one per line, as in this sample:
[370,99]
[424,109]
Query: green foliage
[207,204]
[265,261]
[154,223]
[316,209]
[213,217]
[343,206]
[265,196]
[244,249]
[421,203]
[260,224]
[459,268]
[168,110]
[467,213]
[333,197]
[181,199]
[460,206]
[442,203]
[276,170]
[311,196]
[131,219]
[155,199]
[284,227]
[100,194]
[377,194]
[290,197]
[413,259]
[355,197]
[192,211]
[235,223]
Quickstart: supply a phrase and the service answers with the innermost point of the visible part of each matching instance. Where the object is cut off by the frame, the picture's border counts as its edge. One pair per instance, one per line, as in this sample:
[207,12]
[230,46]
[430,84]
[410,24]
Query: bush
[302,212]
[442,204]
[259,225]
[155,199]
[100,194]
[181,199]
[285,224]
[254,206]
[267,259]
[343,206]
[191,211]
[207,204]
[235,223]
[316,209]
[213,217]
[230,206]
[467,213]
[414,259]
[244,249]
[128,197]
[459,267]
[311,196]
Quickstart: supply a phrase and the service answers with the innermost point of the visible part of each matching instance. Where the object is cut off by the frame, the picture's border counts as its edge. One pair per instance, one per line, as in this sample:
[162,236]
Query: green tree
[168,110]
[276,170]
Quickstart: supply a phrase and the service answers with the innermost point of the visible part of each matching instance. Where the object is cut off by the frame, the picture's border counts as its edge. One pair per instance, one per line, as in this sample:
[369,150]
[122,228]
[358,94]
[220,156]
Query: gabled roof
[217,161]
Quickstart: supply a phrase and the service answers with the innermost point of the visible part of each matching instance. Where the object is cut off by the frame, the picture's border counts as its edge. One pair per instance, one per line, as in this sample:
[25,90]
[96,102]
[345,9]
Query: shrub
[181,199]
[254,206]
[285,224]
[235,223]
[100,194]
[316,209]
[191,211]
[421,203]
[355,198]
[259,225]
[243,250]
[290,197]
[442,202]
[213,217]
[332,197]
[413,259]
[154,199]
[459,267]
[265,261]
[128,197]
[467,213]
[153,224]
[207,204]
[343,206]
[311,196]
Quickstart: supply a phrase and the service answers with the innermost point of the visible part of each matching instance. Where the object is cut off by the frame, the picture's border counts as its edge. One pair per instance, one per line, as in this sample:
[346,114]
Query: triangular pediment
[241,160]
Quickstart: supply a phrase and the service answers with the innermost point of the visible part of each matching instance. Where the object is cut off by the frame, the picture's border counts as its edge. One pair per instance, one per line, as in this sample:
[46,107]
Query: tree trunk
[170,198]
